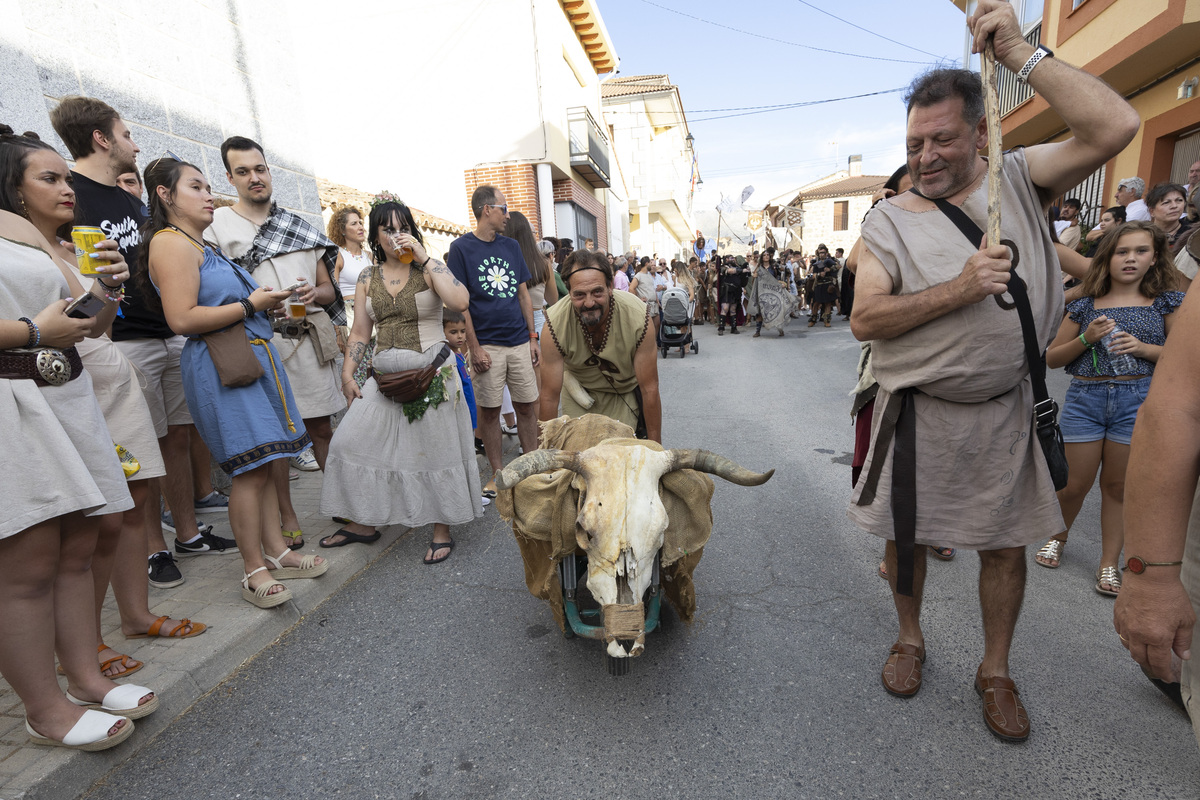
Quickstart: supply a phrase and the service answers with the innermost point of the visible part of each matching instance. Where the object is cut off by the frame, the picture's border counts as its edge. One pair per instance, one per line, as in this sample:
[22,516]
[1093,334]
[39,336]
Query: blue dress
[247,426]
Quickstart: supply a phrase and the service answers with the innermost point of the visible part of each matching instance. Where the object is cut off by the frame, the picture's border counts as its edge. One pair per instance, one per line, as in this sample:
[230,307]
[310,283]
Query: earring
[23,211]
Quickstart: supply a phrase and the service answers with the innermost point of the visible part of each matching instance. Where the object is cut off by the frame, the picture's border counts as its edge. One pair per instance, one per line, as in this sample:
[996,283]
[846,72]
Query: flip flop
[944,553]
[295,539]
[348,538]
[156,631]
[435,547]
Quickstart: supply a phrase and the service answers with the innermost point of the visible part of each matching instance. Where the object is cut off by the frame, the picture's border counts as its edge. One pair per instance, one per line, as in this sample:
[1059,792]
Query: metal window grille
[1010,90]
[1090,194]
[841,215]
[1187,152]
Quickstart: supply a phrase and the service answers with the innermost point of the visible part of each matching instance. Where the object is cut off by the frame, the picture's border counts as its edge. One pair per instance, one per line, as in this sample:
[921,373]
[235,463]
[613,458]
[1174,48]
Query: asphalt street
[453,682]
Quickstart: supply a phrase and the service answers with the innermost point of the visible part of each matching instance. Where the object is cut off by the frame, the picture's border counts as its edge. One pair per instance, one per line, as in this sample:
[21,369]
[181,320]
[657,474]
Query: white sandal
[259,597]
[90,733]
[122,701]
[309,568]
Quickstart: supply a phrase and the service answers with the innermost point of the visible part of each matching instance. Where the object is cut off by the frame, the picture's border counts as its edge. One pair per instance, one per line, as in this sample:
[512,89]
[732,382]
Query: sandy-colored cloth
[982,480]
[612,357]
[768,297]
[543,508]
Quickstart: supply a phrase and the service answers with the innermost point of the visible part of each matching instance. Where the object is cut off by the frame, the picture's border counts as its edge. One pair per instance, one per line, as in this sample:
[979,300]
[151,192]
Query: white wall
[184,75]
[413,94]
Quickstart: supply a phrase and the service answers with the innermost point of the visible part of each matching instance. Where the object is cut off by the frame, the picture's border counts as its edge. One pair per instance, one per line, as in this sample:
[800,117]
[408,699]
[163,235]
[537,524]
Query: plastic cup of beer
[85,239]
[296,308]
[403,252]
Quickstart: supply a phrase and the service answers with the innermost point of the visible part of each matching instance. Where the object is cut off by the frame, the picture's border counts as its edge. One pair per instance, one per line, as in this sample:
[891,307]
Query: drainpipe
[545,190]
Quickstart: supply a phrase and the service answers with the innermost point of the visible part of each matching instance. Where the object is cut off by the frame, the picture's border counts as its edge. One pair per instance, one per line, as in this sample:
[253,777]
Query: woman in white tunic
[59,471]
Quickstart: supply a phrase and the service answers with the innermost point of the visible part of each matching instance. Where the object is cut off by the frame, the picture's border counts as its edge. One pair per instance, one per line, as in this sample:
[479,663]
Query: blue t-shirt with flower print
[492,272]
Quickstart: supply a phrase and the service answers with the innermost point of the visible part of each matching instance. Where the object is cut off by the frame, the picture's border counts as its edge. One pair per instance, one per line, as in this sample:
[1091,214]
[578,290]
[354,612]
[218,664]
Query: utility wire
[779,41]
[864,30]
[799,105]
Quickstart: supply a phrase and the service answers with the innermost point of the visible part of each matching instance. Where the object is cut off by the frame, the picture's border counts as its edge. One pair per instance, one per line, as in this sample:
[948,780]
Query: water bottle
[1122,364]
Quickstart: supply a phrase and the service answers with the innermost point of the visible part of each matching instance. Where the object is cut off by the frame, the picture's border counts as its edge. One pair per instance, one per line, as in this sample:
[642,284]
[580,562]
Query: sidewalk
[181,671]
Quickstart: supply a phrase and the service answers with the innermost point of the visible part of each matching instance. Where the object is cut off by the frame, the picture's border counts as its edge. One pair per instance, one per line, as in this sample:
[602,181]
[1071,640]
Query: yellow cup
[85,239]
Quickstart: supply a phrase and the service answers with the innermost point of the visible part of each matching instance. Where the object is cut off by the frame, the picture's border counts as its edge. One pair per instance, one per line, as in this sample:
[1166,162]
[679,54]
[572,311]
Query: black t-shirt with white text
[120,215]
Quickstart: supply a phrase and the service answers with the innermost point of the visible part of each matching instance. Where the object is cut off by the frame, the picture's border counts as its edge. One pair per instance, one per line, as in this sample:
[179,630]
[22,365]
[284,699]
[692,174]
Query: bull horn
[704,461]
[534,463]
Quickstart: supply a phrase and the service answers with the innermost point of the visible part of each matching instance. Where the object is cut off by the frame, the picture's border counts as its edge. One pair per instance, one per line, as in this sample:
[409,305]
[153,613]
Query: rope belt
[278,384]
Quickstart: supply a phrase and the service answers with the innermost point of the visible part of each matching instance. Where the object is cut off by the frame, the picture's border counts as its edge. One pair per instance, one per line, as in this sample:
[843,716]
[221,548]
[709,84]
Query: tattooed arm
[449,288]
[360,337]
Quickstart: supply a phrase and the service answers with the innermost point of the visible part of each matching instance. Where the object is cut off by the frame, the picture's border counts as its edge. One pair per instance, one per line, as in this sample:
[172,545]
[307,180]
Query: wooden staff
[991,107]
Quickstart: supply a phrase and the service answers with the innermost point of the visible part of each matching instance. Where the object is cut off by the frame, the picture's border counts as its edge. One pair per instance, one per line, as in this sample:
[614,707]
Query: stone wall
[184,76]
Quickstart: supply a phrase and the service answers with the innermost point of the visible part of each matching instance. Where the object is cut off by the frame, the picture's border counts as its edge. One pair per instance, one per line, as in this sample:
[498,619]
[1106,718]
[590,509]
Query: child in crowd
[1129,292]
[454,325]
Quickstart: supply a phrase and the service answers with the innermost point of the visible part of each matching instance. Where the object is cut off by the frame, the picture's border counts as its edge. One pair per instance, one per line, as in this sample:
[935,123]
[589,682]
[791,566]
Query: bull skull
[621,522]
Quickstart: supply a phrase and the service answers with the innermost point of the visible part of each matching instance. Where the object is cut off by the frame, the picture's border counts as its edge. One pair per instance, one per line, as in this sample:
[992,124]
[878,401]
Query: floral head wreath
[385,197]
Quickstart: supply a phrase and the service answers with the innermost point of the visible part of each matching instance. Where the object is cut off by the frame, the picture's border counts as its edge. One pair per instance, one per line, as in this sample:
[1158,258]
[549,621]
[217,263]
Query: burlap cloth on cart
[542,510]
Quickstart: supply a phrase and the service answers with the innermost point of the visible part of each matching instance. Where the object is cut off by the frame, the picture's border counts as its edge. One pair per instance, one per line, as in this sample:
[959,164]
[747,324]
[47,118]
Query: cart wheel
[695,347]
[616,666]
[664,352]
[568,632]
[683,352]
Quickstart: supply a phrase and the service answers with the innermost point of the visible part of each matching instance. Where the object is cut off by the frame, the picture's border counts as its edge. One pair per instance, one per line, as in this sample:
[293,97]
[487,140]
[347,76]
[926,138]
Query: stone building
[833,206]
[184,76]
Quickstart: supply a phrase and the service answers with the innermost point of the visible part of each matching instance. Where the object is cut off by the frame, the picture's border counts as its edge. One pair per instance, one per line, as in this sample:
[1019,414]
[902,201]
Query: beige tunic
[982,481]
[313,374]
[614,395]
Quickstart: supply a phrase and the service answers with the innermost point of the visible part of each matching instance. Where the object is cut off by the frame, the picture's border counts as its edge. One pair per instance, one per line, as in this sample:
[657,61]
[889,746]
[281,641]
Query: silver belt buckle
[54,367]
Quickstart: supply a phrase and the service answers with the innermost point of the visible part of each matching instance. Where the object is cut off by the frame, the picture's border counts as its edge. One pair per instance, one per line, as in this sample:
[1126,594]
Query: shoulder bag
[409,384]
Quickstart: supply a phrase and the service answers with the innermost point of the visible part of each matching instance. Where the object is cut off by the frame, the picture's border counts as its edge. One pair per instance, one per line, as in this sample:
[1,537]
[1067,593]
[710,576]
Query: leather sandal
[1051,551]
[259,597]
[155,630]
[1111,576]
[122,701]
[309,568]
[90,733]
[131,665]
[902,671]
[1003,710]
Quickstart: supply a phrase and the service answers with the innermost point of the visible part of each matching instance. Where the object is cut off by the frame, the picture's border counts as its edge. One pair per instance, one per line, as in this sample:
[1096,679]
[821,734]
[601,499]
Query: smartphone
[294,287]
[85,307]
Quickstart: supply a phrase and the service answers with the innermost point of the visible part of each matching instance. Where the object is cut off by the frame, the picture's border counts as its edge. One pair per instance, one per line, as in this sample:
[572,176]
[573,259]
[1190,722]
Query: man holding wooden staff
[954,459]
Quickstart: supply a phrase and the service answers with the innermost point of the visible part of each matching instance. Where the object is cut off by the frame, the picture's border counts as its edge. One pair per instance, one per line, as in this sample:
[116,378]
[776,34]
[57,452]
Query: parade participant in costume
[410,463]
[824,270]
[950,360]
[45,195]
[236,386]
[733,277]
[603,340]
[61,475]
[281,248]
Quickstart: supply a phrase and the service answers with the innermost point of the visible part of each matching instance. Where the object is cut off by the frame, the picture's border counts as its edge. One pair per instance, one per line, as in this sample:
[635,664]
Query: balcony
[1010,90]
[589,147]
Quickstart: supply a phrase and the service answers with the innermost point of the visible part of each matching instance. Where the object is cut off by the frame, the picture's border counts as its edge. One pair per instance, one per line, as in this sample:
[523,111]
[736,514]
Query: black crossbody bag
[1045,410]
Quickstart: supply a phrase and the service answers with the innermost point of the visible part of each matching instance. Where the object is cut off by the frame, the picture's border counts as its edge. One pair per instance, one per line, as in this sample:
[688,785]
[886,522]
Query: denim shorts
[1096,410]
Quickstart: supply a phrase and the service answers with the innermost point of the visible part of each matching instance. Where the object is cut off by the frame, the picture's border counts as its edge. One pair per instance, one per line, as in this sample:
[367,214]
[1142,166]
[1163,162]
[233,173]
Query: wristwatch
[1041,52]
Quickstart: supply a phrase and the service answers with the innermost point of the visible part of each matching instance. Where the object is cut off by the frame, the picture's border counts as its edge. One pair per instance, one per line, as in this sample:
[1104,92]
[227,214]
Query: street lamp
[690,140]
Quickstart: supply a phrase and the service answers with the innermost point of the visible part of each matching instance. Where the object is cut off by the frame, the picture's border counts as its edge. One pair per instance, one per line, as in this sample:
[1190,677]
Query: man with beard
[955,460]
[604,342]
[281,248]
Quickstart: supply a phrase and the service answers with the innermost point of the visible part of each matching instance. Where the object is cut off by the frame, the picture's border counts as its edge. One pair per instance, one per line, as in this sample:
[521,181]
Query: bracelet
[1138,565]
[247,308]
[1038,54]
[426,261]
[100,280]
[533,336]
[114,294]
[1086,343]
[35,335]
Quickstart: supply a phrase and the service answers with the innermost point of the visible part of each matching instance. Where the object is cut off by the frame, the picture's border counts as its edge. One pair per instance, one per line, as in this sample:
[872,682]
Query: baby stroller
[675,317]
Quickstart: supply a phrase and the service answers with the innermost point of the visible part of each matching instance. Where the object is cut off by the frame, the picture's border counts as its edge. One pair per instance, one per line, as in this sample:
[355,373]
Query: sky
[778,151]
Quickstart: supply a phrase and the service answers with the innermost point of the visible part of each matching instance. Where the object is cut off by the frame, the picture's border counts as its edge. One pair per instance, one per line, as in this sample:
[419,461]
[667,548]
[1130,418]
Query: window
[841,215]
[572,221]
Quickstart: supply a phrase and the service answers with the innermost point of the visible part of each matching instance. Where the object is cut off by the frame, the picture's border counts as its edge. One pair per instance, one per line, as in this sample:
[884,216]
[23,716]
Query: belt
[290,330]
[898,421]
[46,367]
